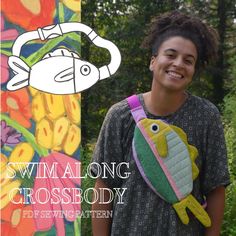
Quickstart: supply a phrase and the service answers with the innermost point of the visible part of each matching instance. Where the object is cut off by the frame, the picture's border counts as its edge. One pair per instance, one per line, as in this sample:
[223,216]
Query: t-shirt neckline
[171,115]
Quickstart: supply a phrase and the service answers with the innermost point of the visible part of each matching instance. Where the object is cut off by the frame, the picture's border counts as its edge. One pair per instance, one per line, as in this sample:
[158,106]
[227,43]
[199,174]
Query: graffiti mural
[40,131]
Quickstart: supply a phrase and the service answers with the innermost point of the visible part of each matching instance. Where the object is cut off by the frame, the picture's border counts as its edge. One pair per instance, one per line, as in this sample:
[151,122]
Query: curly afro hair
[175,23]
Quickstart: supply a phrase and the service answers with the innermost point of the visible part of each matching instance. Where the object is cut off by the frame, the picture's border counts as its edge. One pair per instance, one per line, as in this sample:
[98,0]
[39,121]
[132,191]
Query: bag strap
[136,108]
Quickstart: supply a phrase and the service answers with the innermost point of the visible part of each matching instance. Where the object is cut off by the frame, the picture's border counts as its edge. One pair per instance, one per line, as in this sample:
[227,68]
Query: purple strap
[136,108]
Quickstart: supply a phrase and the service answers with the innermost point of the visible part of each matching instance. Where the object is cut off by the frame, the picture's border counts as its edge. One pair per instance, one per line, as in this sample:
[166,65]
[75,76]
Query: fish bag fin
[196,209]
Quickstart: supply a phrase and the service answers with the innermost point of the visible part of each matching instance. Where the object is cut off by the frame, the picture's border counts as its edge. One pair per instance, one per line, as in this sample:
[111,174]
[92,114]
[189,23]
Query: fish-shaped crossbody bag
[165,160]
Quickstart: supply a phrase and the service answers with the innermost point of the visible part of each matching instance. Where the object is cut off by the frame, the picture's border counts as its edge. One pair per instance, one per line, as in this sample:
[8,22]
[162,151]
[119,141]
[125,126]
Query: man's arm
[101,226]
[215,209]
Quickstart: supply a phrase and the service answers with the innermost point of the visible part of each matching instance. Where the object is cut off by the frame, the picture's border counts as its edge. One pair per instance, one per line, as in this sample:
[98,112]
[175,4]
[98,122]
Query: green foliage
[230,99]
[229,225]
[86,154]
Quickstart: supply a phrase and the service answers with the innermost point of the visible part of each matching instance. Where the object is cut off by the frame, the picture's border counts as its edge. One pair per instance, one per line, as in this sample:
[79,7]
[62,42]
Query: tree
[124,23]
[220,14]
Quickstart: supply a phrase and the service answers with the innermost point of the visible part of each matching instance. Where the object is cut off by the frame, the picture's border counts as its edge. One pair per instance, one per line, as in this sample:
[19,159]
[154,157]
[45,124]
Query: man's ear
[151,65]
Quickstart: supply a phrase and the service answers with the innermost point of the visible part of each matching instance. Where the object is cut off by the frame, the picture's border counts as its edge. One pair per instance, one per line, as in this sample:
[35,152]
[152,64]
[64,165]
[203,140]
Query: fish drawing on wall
[61,71]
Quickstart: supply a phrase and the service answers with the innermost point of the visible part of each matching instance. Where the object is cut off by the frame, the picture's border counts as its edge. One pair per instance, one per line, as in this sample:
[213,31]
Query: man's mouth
[174,75]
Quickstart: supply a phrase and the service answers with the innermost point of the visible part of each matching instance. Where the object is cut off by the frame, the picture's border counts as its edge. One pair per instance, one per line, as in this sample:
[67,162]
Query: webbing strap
[136,108]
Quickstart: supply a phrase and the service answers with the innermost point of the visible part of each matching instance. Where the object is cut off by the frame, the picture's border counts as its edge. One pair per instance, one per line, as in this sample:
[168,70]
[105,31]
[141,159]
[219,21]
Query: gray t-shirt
[143,212]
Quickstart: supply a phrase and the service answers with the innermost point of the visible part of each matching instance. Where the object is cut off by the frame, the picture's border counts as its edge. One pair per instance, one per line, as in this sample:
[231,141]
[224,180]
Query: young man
[181,47]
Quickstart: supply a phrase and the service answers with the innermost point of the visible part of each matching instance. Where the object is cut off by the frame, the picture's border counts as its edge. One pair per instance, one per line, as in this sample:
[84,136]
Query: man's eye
[170,55]
[189,62]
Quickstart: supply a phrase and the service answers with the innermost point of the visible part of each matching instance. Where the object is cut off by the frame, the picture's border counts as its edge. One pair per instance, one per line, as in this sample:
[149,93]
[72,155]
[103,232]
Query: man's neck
[163,103]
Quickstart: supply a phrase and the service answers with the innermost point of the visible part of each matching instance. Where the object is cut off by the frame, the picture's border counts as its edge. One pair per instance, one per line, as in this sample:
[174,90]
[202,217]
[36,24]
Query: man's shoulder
[120,106]
[119,110]
[203,105]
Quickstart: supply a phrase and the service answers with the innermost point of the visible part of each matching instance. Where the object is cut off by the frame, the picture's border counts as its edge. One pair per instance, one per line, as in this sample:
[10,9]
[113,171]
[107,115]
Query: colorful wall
[40,132]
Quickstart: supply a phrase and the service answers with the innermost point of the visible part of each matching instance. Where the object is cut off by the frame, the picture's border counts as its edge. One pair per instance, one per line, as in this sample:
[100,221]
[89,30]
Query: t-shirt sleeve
[215,166]
[108,150]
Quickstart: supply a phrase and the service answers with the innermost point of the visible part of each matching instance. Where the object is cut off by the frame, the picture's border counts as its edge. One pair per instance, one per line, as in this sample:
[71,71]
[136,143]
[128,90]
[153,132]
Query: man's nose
[178,62]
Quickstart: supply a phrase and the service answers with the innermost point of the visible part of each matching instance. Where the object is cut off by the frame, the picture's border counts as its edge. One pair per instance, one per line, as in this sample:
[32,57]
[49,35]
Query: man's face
[174,65]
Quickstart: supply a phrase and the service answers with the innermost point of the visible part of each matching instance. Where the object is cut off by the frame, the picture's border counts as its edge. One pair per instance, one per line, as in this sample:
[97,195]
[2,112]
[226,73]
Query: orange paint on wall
[30,17]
